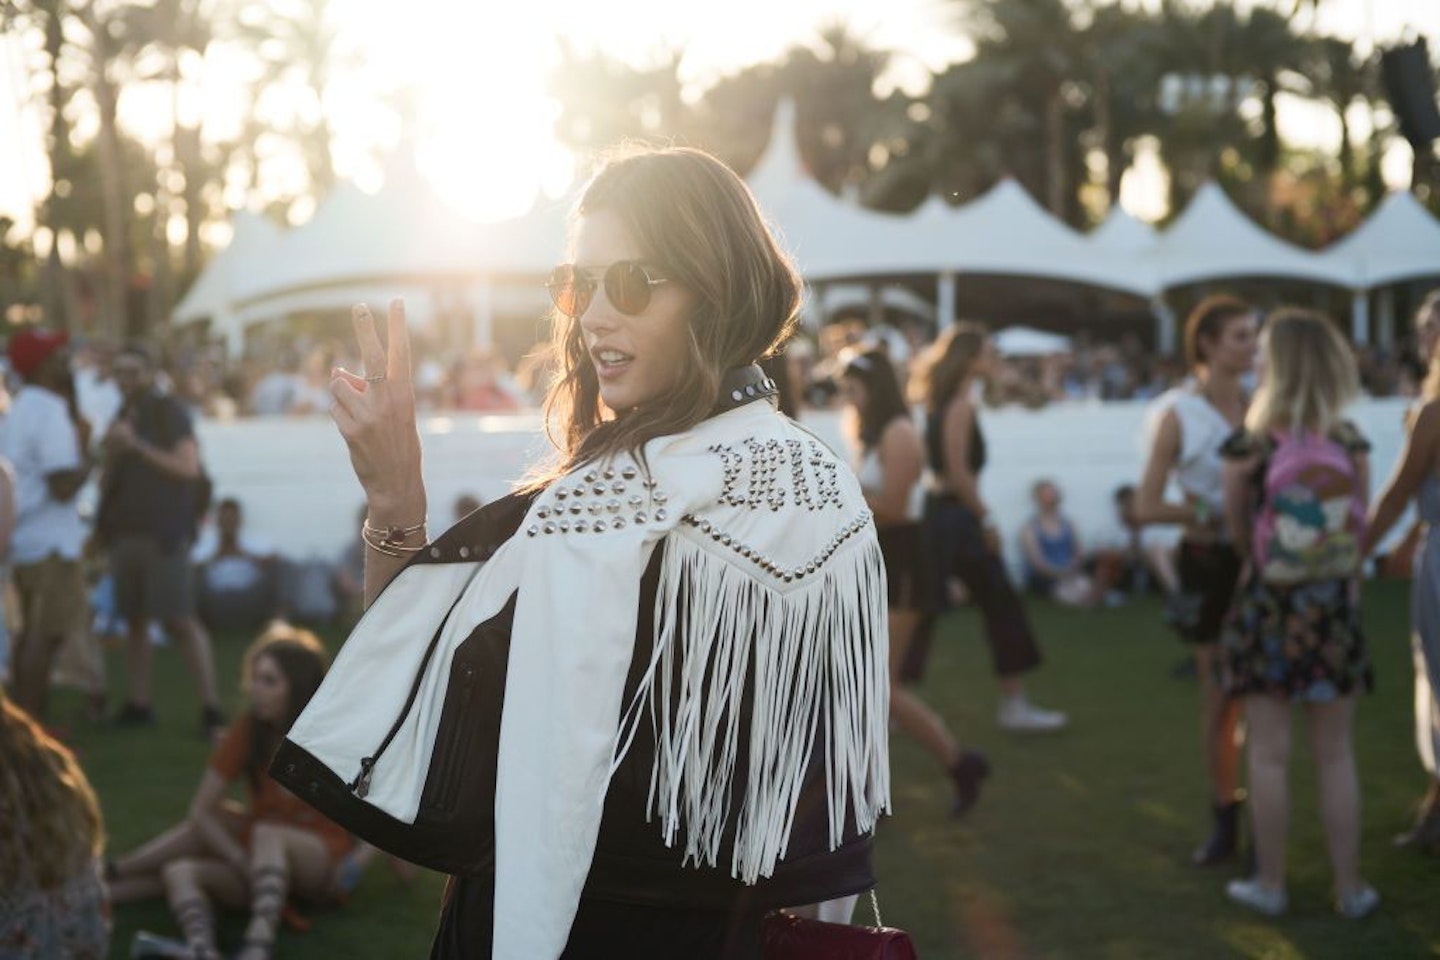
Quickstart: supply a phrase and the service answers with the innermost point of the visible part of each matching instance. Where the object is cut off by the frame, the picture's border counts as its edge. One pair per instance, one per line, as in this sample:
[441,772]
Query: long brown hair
[696,220]
[1430,388]
[945,364]
[883,400]
[1308,374]
[48,813]
[302,660]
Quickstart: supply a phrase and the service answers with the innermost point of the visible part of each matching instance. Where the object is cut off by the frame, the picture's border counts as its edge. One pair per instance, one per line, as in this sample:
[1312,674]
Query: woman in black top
[964,540]
[889,457]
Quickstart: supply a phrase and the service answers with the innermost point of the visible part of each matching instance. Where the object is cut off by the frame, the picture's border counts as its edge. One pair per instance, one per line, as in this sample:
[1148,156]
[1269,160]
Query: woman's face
[269,691]
[854,392]
[637,358]
[985,361]
[1235,349]
[1427,334]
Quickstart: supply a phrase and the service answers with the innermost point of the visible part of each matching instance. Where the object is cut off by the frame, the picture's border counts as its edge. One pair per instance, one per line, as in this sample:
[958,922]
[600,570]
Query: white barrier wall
[294,479]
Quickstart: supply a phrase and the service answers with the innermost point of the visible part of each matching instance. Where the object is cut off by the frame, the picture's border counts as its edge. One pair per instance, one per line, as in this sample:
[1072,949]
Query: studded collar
[744,385]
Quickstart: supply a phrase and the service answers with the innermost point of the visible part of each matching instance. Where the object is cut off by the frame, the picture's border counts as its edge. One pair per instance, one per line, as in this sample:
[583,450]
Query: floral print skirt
[1302,642]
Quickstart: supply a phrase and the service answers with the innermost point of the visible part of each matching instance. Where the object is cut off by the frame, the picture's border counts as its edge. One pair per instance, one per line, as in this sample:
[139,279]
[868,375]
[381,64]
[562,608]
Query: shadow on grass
[1078,848]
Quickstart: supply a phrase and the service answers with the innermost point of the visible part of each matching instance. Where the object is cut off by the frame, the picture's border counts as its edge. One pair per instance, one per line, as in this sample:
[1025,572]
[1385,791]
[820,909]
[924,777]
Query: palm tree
[1037,43]
[299,48]
[834,89]
[1340,77]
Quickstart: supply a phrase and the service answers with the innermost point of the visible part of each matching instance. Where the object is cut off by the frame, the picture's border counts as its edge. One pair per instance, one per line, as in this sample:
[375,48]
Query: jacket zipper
[360,786]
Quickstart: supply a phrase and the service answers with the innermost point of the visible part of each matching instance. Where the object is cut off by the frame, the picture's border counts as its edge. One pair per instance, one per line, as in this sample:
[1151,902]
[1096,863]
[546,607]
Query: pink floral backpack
[1311,520]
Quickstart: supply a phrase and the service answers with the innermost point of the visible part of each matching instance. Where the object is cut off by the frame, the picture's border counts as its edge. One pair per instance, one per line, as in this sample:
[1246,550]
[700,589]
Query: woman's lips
[609,363]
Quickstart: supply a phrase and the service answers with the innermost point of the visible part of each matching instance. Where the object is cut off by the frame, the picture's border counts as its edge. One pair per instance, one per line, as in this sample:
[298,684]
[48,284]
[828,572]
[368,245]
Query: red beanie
[29,348]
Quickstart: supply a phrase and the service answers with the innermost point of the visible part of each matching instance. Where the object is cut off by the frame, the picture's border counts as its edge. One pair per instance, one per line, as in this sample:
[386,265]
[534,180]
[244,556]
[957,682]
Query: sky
[485,113]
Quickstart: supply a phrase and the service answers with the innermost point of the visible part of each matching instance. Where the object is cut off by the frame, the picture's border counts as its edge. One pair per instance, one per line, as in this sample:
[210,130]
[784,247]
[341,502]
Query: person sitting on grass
[1054,561]
[256,856]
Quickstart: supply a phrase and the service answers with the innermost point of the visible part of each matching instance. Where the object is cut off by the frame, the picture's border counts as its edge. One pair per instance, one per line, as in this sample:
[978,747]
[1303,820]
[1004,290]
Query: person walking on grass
[889,457]
[146,521]
[1189,426]
[1417,478]
[962,535]
[1296,482]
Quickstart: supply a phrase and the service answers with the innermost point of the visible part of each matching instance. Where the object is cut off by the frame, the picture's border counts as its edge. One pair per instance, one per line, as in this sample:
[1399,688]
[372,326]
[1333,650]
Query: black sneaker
[211,721]
[134,715]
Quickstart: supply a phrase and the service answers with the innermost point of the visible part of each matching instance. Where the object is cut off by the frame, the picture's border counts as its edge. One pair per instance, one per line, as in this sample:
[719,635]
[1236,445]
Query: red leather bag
[789,937]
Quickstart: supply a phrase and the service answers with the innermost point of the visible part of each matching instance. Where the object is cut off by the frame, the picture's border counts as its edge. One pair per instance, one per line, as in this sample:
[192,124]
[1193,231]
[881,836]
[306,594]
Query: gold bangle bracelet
[390,541]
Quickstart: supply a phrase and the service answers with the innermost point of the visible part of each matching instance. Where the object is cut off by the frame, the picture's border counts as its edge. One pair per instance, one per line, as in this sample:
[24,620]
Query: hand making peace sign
[376,416]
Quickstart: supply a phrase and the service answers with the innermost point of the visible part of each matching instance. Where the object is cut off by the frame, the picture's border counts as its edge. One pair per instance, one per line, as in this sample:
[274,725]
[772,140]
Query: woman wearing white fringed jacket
[642,701]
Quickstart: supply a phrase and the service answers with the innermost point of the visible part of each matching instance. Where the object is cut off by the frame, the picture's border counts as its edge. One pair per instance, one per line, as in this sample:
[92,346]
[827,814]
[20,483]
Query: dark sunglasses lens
[569,289]
[628,287]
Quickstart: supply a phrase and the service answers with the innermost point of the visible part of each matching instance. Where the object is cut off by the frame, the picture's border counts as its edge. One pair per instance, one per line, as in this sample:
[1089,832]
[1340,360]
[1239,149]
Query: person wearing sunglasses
[641,702]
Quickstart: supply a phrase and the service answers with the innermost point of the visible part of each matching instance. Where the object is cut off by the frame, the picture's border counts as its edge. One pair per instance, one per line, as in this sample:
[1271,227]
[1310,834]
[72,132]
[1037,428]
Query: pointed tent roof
[1007,232]
[1212,239]
[1004,232]
[1123,233]
[405,230]
[828,236]
[214,292]
[1400,240]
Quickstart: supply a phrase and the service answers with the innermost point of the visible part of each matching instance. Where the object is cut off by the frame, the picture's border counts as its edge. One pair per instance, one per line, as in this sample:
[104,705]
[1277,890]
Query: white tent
[1123,234]
[214,294]
[1399,241]
[402,232]
[1212,240]
[1019,341]
[829,237]
[403,241]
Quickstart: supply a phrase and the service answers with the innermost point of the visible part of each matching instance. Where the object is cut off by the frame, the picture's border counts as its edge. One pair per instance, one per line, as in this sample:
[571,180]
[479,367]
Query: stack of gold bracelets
[391,540]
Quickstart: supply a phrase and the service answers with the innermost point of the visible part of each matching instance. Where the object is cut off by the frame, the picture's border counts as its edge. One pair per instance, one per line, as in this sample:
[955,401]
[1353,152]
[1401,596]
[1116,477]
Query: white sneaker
[1022,716]
[1251,894]
[1358,903]
[150,946]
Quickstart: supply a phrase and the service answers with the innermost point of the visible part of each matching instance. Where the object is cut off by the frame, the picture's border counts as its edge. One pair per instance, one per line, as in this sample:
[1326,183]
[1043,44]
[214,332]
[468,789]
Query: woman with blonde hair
[641,701]
[52,902]
[964,541]
[1417,478]
[1296,481]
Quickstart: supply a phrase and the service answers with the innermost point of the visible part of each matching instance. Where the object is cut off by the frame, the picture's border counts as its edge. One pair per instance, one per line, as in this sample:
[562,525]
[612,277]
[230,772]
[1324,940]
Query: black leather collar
[744,385]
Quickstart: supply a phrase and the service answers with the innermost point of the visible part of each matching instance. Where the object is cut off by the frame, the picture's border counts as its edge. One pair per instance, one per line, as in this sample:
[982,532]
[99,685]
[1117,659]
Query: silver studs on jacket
[750,477]
[599,502]
[786,574]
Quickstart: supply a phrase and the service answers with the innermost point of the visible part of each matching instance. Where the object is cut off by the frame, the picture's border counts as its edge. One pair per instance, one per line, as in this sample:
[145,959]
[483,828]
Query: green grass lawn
[1078,848]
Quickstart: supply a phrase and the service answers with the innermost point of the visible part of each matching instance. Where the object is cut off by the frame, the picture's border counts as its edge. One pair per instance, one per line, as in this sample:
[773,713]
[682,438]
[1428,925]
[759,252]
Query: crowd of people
[693,557]
[290,376]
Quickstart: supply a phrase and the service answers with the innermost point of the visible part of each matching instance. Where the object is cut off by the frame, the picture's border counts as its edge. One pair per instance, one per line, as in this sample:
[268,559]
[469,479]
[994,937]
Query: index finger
[398,361]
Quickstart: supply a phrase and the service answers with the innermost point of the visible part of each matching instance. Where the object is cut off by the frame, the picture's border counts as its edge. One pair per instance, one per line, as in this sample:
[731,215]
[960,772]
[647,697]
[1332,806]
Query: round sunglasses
[627,287]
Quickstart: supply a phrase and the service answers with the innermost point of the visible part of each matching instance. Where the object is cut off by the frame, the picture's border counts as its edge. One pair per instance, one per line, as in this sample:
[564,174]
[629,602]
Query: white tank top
[1203,430]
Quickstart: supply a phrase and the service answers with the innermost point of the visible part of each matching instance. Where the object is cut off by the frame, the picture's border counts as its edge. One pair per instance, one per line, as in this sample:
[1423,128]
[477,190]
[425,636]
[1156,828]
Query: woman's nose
[599,317]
